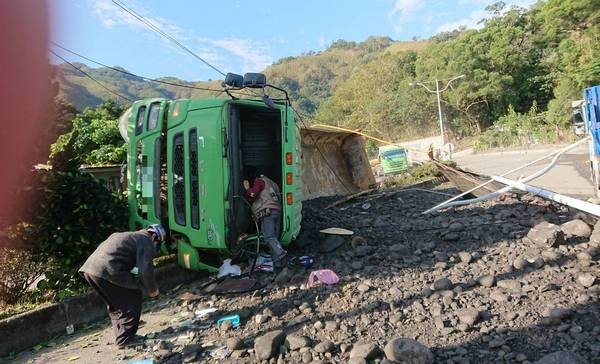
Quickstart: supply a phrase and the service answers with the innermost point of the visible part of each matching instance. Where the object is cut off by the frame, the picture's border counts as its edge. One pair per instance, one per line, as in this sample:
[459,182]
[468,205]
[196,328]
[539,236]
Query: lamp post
[438,92]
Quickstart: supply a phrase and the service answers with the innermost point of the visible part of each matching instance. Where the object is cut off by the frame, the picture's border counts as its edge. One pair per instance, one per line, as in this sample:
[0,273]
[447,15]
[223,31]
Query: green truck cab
[392,159]
[185,163]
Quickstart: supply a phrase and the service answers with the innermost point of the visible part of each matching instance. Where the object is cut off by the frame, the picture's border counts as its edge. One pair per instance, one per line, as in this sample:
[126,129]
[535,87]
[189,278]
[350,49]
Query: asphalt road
[570,175]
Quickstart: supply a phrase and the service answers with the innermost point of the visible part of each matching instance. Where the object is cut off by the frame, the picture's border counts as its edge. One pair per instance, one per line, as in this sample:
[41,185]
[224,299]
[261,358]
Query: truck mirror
[234,80]
[255,80]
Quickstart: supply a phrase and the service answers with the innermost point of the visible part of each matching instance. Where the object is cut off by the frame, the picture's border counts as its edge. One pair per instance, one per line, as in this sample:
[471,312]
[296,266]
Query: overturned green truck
[185,163]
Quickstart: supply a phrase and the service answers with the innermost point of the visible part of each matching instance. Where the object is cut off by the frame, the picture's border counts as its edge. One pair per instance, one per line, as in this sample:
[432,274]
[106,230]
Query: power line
[91,77]
[163,33]
[145,78]
[133,74]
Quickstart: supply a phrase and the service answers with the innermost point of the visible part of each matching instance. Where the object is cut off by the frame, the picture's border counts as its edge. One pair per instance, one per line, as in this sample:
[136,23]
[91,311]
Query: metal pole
[565,200]
[437,91]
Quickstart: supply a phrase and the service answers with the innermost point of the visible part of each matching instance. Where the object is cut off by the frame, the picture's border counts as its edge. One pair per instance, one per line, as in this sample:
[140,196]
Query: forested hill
[522,68]
[309,78]
[81,91]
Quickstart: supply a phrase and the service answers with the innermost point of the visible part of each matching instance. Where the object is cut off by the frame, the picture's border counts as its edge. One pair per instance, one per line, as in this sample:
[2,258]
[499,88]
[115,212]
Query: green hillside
[310,79]
[82,91]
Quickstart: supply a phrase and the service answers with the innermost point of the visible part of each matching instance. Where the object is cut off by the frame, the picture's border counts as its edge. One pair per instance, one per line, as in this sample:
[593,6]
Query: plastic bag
[226,269]
[326,276]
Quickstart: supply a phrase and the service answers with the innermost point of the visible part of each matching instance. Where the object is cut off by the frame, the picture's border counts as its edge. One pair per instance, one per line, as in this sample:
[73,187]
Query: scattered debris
[226,269]
[337,231]
[326,276]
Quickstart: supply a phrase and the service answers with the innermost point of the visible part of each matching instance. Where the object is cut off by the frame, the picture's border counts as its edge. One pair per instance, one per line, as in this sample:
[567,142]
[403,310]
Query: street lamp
[438,92]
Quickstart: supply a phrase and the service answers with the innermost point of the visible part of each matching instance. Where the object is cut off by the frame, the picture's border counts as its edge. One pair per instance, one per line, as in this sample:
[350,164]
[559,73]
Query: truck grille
[194,199]
[178,179]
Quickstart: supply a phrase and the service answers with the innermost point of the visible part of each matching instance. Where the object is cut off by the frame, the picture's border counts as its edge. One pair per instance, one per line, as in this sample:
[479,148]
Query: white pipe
[449,203]
[538,191]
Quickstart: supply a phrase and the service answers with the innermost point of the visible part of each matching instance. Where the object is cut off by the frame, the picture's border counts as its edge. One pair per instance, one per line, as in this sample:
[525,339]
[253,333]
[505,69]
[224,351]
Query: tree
[94,139]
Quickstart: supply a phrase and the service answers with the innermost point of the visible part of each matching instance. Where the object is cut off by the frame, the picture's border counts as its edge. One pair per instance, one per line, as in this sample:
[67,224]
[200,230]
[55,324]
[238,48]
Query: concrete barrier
[23,331]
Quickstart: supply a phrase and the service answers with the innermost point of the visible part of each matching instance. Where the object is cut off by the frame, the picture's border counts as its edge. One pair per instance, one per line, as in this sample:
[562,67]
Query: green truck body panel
[184,169]
[393,159]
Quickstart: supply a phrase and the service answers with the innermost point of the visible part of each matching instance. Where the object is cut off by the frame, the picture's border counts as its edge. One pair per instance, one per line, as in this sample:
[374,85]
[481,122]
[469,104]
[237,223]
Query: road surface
[570,175]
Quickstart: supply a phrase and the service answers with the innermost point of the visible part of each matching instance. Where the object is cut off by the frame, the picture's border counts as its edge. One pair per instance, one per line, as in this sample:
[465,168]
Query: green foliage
[518,129]
[18,270]
[425,170]
[76,213]
[416,174]
[94,138]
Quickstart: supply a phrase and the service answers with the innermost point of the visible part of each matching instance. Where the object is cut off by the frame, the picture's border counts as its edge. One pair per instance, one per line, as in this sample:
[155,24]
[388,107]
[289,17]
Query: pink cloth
[326,276]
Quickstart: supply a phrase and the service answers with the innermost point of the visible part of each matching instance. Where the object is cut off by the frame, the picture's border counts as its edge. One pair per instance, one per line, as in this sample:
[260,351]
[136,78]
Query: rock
[519,263]
[561,357]
[558,312]
[190,351]
[331,243]
[487,280]
[452,236]
[226,326]
[576,228]
[324,347]
[363,288]
[465,257]
[234,343]
[362,250]
[456,227]
[409,351]
[267,346]
[537,262]
[295,342]
[585,256]
[331,325]
[496,343]
[499,296]
[395,292]
[356,265]
[443,284]
[586,279]
[546,234]
[468,316]
[364,350]
[356,360]
[510,284]
[400,249]
[261,319]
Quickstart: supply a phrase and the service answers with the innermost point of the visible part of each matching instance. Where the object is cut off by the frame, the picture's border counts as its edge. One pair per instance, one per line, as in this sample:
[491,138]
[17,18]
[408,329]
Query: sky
[242,36]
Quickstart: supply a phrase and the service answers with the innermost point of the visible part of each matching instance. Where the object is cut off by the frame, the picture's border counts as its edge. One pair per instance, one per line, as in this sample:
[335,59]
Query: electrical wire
[163,33]
[145,78]
[132,74]
[91,77]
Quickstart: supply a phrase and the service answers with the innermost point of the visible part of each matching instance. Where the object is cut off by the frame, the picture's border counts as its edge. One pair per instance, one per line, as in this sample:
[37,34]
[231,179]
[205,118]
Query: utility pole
[439,101]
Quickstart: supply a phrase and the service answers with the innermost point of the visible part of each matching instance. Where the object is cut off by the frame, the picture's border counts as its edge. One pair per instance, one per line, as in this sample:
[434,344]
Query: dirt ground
[461,286]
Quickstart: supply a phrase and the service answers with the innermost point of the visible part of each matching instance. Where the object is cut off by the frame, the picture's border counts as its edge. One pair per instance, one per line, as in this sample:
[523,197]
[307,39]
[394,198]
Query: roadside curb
[23,331]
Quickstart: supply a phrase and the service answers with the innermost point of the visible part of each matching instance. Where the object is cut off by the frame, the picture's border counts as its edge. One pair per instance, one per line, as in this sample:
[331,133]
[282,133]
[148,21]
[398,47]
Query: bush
[516,129]
[18,271]
[76,214]
[425,170]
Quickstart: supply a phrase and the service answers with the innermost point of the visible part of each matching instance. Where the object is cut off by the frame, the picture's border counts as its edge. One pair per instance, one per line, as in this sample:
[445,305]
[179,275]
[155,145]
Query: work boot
[281,261]
[131,342]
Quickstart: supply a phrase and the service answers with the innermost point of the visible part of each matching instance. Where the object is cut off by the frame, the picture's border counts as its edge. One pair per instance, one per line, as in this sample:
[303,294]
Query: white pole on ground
[557,153]
[538,191]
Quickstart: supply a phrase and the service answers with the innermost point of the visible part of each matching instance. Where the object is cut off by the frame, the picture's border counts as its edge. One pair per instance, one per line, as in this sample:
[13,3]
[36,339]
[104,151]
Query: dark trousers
[124,306]
[271,227]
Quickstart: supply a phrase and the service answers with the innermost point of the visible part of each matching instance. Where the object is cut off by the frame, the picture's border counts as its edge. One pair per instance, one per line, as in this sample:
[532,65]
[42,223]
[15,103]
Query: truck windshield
[394,153]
